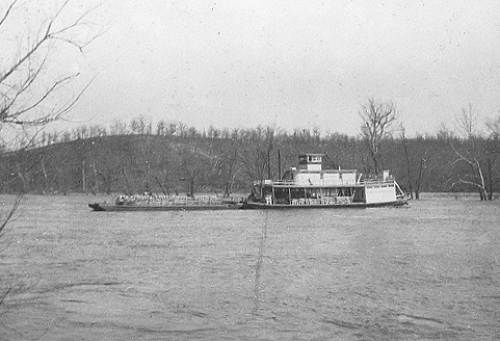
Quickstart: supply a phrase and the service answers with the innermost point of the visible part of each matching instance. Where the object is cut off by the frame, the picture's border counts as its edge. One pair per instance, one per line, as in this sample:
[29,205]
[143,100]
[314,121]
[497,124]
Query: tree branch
[11,212]
[467,182]
[50,34]
[6,14]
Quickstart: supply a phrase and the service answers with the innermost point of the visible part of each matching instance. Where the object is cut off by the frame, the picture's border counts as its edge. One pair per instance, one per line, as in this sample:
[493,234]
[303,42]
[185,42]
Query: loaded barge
[310,186]
[157,202]
[305,186]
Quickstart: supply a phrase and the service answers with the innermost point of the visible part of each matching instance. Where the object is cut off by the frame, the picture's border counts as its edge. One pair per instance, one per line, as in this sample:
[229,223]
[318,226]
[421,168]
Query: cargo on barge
[155,202]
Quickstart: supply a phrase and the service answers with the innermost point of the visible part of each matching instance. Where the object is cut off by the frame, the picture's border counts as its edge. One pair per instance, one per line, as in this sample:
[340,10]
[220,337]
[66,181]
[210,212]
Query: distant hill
[137,163]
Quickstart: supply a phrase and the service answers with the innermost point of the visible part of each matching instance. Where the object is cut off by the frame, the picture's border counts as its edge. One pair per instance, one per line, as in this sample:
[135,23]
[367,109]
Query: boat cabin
[311,185]
[311,172]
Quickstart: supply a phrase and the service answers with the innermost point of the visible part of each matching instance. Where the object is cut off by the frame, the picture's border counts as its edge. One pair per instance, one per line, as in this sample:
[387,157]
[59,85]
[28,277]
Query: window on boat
[281,195]
[344,192]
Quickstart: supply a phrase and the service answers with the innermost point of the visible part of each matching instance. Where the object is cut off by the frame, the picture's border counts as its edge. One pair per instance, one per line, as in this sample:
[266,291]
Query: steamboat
[310,186]
[305,186]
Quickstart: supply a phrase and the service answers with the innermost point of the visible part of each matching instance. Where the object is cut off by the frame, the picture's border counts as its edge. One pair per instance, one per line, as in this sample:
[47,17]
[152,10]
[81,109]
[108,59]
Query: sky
[289,64]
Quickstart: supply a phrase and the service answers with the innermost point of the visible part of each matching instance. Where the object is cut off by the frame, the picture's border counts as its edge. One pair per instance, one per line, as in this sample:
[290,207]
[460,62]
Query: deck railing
[376,182]
[340,200]
[293,183]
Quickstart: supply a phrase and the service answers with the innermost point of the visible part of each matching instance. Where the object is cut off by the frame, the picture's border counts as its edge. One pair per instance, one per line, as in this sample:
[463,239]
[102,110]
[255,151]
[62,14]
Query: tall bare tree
[493,152]
[28,85]
[494,128]
[470,154]
[378,120]
[32,93]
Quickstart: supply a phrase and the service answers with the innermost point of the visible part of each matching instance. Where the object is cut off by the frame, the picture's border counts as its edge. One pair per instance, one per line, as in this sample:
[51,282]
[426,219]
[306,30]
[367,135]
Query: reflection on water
[258,266]
[430,271]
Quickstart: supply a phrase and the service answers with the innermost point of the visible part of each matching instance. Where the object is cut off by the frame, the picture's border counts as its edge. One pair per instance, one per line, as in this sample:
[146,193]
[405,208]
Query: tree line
[139,156]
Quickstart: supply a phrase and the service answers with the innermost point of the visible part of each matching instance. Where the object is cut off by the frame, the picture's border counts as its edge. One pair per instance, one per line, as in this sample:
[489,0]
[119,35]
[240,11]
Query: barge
[305,186]
[311,186]
[154,202]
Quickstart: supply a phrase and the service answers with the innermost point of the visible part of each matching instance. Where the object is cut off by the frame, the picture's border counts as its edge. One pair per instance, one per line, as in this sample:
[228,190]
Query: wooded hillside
[185,160]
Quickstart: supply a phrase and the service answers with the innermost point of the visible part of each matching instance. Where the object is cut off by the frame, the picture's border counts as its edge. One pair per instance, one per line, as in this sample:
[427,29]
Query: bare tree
[255,154]
[378,119]
[27,87]
[467,126]
[31,93]
[494,128]
[409,169]
[414,183]
[9,215]
[493,153]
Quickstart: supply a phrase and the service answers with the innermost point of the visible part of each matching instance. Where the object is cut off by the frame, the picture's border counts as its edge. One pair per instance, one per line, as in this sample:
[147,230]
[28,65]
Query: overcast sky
[292,63]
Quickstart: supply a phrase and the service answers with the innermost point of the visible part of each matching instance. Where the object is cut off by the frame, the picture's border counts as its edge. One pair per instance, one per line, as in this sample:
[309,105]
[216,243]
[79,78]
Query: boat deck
[258,205]
[126,208]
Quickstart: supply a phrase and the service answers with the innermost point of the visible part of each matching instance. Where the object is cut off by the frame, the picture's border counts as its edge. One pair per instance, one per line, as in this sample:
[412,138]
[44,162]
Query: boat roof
[327,171]
[314,186]
[292,184]
[312,154]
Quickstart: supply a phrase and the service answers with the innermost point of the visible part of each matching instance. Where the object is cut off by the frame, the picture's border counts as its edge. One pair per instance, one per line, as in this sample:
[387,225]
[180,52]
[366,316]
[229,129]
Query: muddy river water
[429,271]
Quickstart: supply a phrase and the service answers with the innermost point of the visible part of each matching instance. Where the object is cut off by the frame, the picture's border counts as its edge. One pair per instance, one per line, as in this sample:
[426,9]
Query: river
[427,271]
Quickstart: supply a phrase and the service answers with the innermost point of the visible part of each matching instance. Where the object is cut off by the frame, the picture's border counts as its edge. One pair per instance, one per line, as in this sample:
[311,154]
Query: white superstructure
[309,185]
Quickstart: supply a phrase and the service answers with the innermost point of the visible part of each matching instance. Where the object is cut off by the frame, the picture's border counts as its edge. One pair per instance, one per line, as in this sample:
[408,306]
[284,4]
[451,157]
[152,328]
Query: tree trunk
[45,176]
[108,184]
[408,168]
[161,185]
[419,179]
[374,159]
[23,181]
[490,180]
[191,188]
[84,180]
[96,185]
[127,182]
[483,184]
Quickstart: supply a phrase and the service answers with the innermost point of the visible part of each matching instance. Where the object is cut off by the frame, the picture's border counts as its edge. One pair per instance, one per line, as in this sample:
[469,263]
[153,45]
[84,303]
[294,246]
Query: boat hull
[263,206]
[247,205]
[126,208]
